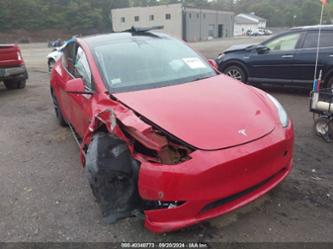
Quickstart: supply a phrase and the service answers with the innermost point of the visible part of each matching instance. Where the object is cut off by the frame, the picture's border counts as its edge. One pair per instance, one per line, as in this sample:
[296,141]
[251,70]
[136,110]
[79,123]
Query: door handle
[286,56]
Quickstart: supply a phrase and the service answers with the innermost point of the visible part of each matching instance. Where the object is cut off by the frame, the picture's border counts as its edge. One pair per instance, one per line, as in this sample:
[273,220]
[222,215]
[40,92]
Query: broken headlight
[156,146]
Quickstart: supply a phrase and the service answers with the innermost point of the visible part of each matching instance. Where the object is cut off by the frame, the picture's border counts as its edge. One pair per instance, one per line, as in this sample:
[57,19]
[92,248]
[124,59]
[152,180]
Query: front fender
[114,120]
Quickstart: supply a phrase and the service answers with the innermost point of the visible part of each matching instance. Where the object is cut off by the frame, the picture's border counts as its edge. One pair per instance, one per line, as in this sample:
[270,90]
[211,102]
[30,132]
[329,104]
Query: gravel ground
[45,196]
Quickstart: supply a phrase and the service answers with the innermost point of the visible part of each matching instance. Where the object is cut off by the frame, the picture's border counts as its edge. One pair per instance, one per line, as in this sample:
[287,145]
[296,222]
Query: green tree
[86,16]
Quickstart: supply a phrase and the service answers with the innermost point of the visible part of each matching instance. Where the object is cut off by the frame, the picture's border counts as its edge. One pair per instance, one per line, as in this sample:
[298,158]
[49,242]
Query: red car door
[64,73]
[80,104]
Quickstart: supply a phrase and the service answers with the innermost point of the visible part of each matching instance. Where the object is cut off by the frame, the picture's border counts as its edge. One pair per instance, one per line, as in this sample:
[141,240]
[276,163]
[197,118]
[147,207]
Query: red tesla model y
[163,135]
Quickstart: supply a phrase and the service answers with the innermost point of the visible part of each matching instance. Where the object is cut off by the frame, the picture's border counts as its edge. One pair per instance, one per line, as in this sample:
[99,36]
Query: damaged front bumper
[213,183]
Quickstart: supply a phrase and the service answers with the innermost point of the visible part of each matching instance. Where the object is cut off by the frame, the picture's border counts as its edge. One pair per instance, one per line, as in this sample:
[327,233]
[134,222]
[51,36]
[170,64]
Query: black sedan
[285,59]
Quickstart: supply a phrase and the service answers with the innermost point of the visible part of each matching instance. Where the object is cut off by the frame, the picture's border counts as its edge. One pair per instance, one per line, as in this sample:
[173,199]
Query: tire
[15,84]
[61,120]
[236,72]
[51,63]
[323,128]
[113,176]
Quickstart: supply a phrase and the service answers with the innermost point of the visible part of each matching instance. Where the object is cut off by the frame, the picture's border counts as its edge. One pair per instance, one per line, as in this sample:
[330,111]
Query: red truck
[13,72]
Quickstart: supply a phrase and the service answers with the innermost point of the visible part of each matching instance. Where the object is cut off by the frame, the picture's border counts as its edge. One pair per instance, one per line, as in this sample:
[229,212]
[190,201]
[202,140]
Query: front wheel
[236,72]
[324,128]
[113,176]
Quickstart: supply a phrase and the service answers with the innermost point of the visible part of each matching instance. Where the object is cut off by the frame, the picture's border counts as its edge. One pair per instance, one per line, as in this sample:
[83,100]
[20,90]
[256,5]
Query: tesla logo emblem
[242,132]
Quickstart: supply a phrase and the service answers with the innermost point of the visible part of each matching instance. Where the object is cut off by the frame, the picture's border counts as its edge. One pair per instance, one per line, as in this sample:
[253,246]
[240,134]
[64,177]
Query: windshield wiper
[203,78]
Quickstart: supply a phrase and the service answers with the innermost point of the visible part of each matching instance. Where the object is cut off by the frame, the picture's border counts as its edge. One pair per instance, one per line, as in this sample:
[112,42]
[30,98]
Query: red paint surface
[9,55]
[214,175]
[207,114]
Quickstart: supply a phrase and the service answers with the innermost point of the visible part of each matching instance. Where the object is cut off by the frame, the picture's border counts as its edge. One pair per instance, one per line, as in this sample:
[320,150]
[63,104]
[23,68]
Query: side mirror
[76,86]
[262,49]
[213,64]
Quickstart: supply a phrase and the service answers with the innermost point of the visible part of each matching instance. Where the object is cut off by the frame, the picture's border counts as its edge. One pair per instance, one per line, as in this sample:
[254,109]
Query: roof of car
[315,27]
[98,39]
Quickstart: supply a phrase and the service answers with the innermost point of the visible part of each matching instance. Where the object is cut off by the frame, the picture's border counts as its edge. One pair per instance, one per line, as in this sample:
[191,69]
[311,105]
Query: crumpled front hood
[210,114]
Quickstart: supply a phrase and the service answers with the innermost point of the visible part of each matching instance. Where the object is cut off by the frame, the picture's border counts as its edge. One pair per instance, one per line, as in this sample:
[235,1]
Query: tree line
[94,15]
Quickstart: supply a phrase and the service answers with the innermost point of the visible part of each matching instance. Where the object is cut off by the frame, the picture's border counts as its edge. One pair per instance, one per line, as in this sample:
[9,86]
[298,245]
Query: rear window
[311,39]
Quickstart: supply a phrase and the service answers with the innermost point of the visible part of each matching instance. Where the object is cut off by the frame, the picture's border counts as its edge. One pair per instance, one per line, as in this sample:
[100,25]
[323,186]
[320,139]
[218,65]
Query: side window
[68,57]
[326,39]
[284,43]
[82,69]
[311,39]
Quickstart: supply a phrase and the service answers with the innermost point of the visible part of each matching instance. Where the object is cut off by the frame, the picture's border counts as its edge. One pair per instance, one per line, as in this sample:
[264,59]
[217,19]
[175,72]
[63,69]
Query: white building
[246,22]
[182,21]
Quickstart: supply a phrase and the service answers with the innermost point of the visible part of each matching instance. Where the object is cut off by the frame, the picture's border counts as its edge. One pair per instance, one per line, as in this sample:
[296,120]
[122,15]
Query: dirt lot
[45,196]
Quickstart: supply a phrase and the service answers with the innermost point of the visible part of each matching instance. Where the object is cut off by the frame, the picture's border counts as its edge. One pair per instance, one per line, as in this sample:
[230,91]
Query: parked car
[13,72]
[163,134]
[256,32]
[56,54]
[265,31]
[285,59]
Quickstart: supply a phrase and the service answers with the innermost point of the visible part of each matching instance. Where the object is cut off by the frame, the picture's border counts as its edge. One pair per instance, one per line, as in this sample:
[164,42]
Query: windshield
[148,62]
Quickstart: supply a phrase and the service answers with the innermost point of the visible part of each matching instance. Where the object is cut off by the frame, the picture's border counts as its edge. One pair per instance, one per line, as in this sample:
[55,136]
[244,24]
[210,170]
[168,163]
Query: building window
[151,17]
[198,16]
[189,15]
[123,19]
[204,15]
[167,16]
[211,30]
[136,18]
